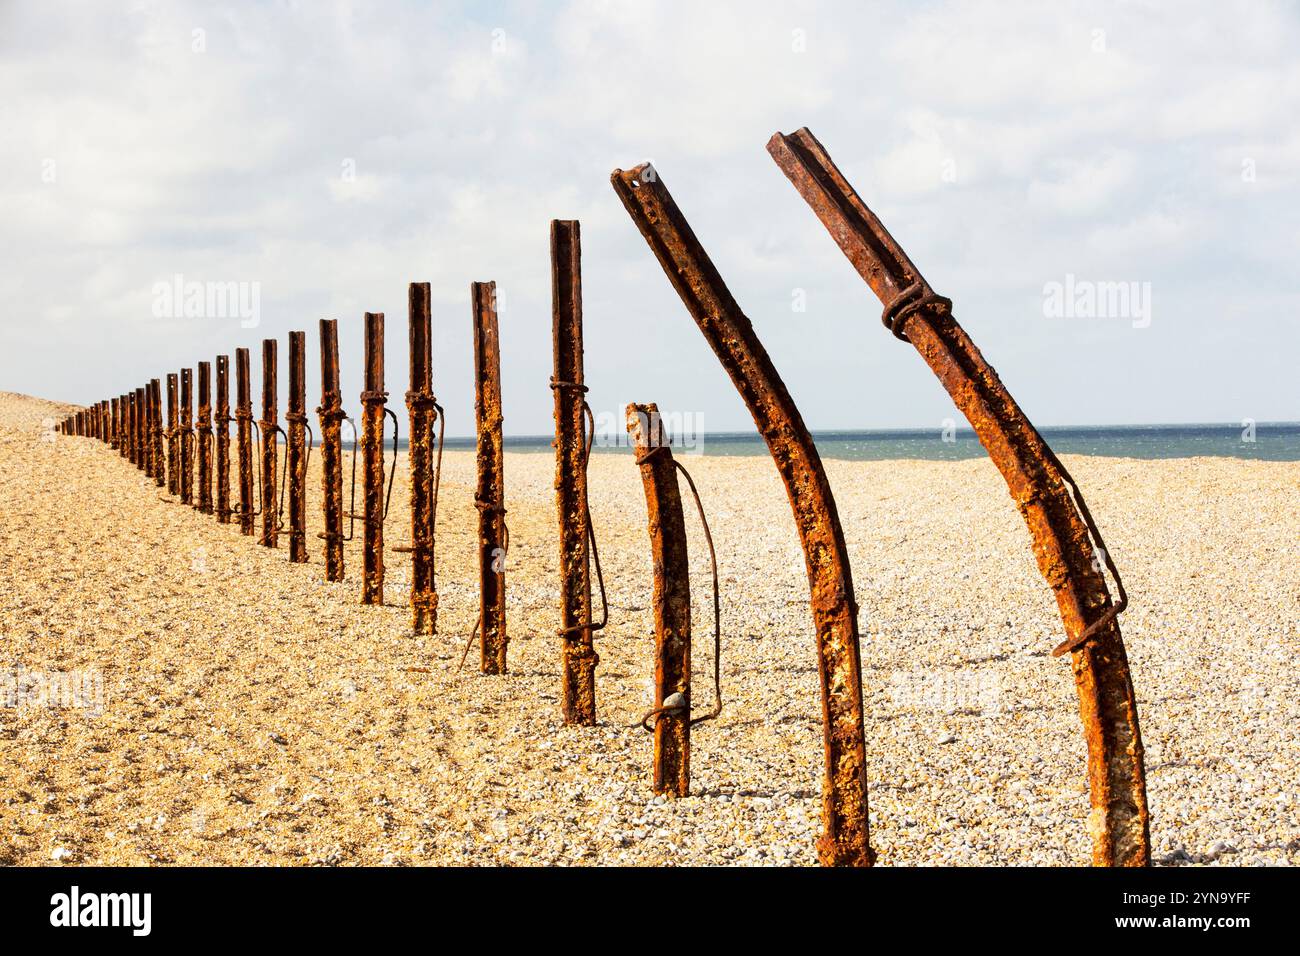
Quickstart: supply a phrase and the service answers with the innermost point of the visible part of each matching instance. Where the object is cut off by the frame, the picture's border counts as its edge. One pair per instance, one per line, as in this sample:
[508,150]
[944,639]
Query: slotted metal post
[331,455]
[186,436]
[420,403]
[269,427]
[204,432]
[244,441]
[296,464]
[221,439]
[490,492]
[373,400]
[578,671]
[672,599]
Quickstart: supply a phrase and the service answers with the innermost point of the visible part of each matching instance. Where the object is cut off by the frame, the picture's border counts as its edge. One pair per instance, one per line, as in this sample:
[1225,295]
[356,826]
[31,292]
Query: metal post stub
[489,495]
[373,400]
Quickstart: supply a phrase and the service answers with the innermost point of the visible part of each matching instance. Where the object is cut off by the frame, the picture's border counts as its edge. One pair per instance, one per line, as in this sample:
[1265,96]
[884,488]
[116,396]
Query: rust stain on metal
[221,439]
[578,670]
[331,454]
[490,493]
[244,441]
[1119,821]
[845,837]
[185,435]
[173,436]
[203,431]
[295,418]
[373,400]
[672,600]
[269,428]
[422,407]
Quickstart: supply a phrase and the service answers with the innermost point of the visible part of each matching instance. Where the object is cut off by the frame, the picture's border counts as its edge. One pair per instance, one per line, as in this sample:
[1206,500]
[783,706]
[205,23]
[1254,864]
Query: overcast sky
[326,154]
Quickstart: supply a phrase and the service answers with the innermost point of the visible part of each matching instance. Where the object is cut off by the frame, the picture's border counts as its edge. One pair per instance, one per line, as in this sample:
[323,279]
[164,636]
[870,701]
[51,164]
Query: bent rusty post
[173,448]
[579,657]
[331,454]
[222,439]
[373,400]
[1119,821]
[490,493]
[845,832]
[186,437]
[421,403]
[203,428]
[296,461]
[672,600]
[269,427]
[244,440]
[156,434]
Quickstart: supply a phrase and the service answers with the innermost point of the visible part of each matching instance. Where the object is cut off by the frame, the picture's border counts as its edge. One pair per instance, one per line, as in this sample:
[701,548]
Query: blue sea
[1269,441]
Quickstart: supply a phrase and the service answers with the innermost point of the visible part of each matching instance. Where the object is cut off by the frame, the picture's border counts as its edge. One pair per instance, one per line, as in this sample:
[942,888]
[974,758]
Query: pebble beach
[172,693]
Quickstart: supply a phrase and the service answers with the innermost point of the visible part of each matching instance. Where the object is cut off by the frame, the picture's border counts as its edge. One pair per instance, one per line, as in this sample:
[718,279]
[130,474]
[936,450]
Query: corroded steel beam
[296,462]
[244,441]
[579,657]
[490,492]
[421,405]
[115,430]
[185,435]
[221,439]
[1119,821]
[373,400]
[156,434]
[124,445]
[845,837]
[173,436]
[672,600]
[204,433]
[269,427]
[331,454]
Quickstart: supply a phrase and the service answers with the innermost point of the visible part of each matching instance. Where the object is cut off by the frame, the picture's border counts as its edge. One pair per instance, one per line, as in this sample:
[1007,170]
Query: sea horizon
[1265,441]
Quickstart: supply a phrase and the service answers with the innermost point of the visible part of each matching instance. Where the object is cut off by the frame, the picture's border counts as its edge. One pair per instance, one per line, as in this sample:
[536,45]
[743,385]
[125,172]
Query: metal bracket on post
[845,836]
[1063,530]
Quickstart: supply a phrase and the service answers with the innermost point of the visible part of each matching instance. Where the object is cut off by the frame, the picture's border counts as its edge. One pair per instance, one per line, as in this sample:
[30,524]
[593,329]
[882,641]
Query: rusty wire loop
[586,509]
[717,607]
[392,471]
[894,317]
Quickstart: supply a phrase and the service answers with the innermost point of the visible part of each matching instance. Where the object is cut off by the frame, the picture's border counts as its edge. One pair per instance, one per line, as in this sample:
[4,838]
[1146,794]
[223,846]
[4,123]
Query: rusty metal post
[203,434]
[115,428]
[490,493]
[373,400]
[244,440]
[173,441]
[578,671]
[156,434]
[1063,533]
[221,439]
[141,447]
[269,427]
[672,600]
[296,463]
[124,446]
[185,435]
[331,454]
[421,405]
[845,839]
